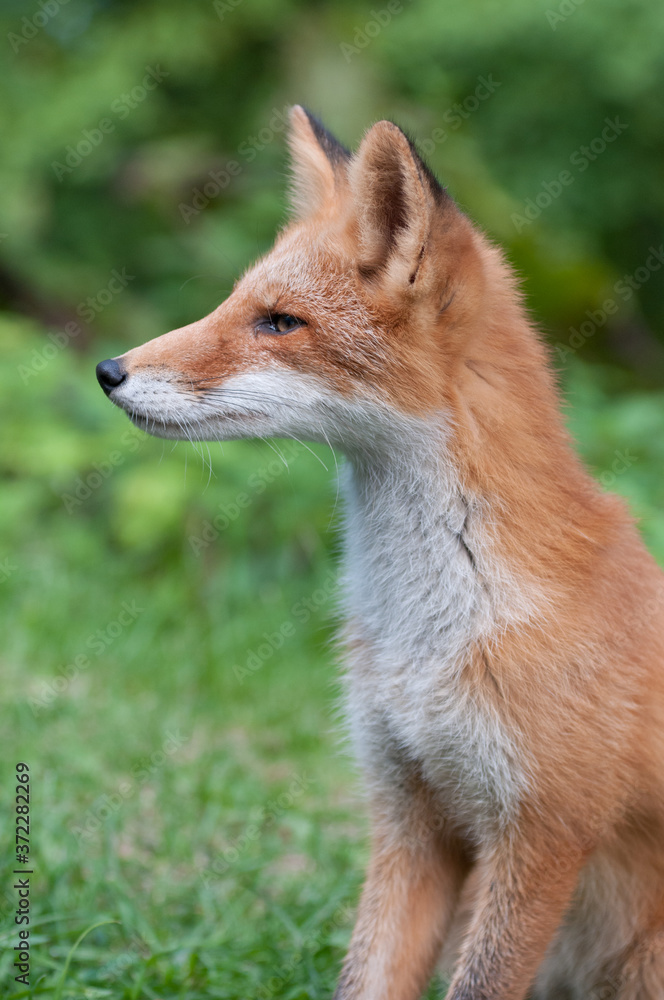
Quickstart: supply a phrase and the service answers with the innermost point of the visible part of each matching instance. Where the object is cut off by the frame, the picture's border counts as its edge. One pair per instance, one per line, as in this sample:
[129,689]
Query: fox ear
[318,163]
[394,195]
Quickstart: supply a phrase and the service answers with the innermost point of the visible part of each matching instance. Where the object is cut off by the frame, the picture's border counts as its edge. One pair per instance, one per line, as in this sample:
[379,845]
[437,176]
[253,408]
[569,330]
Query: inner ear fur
[394,197]
[318,164]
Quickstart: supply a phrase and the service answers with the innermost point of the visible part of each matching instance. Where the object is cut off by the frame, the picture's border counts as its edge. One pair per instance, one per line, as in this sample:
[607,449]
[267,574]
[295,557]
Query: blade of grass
[59,988]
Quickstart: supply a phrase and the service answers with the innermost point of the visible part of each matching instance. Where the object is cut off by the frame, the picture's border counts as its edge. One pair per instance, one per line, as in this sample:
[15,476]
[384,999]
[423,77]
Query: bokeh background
[167,667]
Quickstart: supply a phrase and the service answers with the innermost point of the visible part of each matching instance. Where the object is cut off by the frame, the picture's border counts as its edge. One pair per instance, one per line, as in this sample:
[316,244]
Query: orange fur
[404,302]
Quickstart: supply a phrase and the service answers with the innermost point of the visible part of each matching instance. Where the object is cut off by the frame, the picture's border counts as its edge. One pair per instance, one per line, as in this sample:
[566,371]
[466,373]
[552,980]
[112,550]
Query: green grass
[193,806]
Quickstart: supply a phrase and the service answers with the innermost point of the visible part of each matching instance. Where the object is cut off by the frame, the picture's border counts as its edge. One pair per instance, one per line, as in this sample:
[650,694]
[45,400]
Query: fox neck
[413,559]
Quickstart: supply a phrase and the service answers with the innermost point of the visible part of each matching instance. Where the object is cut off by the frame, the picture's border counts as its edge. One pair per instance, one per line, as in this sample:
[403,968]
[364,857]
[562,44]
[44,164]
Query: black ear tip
[333,149]
[309,114]
[438,190]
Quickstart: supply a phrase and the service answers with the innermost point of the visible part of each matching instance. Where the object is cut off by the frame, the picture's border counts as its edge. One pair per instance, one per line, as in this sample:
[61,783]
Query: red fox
[505,625]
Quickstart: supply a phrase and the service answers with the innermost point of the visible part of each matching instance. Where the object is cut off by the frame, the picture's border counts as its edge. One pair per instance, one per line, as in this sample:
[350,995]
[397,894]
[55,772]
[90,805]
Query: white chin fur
[270,402]
[166,409]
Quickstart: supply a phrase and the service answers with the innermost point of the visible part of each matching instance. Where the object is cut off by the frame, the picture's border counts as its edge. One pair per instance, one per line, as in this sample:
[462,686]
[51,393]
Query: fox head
[361,314]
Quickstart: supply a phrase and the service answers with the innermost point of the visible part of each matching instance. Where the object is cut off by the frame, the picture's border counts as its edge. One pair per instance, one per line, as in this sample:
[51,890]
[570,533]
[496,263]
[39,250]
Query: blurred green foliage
[503,98]
[145,140]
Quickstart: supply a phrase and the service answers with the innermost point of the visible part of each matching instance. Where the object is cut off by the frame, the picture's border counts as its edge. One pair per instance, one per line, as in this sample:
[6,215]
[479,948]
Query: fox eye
[279,323]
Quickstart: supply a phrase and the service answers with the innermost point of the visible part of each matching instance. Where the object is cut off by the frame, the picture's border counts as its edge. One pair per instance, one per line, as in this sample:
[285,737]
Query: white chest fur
[420,591]
[422,586]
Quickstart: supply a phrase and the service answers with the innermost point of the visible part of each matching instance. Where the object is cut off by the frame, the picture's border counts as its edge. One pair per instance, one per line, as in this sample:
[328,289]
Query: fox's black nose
[109,375]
